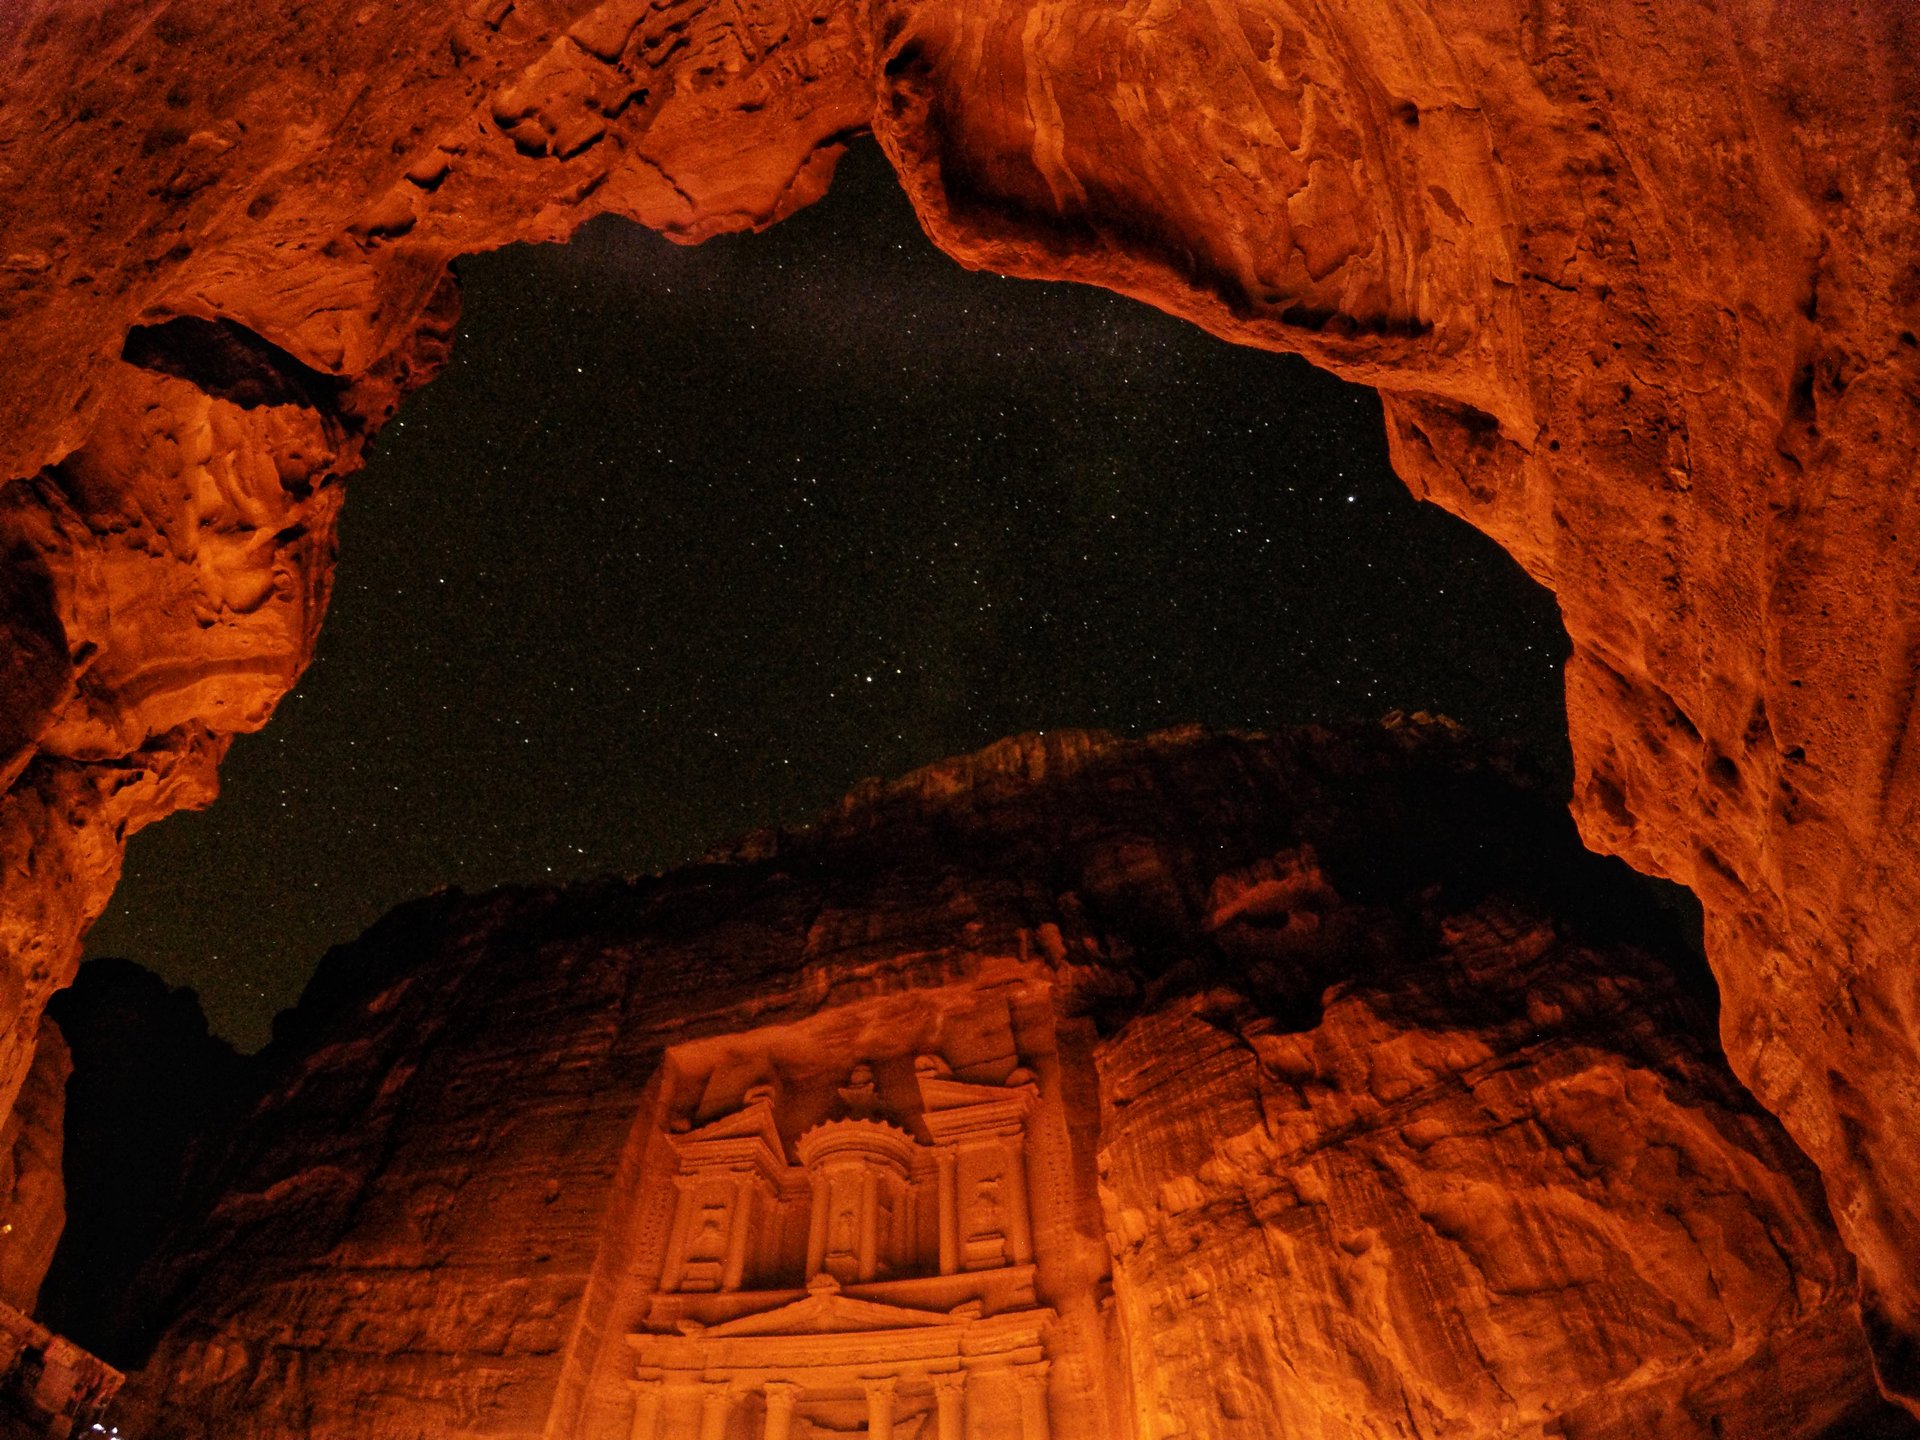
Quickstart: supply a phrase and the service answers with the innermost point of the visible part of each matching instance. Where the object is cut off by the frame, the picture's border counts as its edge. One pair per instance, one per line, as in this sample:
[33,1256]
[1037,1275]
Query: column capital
[950,1400]
[1031,1378]
[782,1397]
[648,1391]
[880,1406]
[716,1404]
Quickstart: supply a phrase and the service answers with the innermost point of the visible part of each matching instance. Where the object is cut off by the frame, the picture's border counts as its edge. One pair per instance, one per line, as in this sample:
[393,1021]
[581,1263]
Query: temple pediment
[940,1089]
[828,1312]
[752,1121]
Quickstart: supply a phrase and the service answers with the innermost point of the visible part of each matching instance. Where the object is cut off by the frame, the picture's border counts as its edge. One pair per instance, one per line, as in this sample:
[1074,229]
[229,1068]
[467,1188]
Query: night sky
[686,541]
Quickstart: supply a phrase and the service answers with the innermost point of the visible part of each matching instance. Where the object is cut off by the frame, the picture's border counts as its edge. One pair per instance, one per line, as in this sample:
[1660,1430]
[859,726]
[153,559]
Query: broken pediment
[885,1265]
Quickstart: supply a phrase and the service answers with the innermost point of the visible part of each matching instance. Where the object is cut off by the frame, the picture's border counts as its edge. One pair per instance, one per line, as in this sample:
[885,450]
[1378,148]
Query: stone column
[950,1399]
[675,1266]
[817,1225]
[947,1181]
[716,1405]
[1032,1381]
[646,1409]
[1019,1218]
[869,1223]
[737,1234]
[880,1408]
[782,1396]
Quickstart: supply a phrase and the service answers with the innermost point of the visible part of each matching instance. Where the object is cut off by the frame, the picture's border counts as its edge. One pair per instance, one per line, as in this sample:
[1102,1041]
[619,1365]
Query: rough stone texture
[32,1185]
[1396,1113]
[173,572]
[1639,283]
[1469,1184]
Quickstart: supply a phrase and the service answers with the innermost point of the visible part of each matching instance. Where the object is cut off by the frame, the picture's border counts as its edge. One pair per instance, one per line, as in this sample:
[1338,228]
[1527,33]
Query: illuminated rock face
[1443,1209]
[1080,1088]
[915,1265]
[1637,282]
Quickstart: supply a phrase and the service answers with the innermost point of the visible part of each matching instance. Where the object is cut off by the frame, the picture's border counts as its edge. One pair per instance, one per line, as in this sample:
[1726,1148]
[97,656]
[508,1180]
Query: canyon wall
[1350,1099]
[1639,284]
[32,1178]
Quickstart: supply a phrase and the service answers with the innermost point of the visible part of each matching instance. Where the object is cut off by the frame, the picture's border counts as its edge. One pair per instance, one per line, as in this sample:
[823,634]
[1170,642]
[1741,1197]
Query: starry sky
[686,541]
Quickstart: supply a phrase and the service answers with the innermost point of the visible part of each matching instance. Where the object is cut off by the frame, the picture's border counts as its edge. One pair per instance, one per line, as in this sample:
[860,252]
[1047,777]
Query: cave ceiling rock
[1638,284]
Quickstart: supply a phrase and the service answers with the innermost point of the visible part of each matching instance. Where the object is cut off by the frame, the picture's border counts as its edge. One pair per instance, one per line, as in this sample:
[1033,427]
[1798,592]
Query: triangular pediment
[943,1093]
[830,1314]
[753,1121]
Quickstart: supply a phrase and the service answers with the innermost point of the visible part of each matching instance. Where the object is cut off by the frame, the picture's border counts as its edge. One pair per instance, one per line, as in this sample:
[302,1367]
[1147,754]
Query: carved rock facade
[1638,283]
[1080,1089]
[914,1265]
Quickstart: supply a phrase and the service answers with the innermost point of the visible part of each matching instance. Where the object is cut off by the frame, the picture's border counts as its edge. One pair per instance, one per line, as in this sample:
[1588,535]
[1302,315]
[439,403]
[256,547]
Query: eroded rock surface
[31,1173]
[1357,1101]
[1640,284]
[1468,1182]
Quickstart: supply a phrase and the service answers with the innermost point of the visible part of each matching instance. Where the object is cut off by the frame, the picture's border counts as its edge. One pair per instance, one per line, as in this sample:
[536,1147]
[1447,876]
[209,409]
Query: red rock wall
[31,1184]
[1356,1071]
[1440,1210]
[1637,281]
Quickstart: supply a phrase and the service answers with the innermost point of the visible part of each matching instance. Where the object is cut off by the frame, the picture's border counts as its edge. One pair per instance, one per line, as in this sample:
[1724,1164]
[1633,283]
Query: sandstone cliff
[1640,283]
[1360,1102]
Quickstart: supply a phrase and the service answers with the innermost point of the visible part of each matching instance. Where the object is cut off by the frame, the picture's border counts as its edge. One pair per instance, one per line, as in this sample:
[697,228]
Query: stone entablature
[1011,1288]
[846,1358]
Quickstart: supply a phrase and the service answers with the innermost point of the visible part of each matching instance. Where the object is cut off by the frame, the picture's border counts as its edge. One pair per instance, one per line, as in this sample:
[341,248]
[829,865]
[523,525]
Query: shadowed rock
[1349,1097]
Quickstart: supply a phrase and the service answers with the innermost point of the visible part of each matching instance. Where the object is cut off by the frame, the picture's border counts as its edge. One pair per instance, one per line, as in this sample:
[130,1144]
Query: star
[685,541]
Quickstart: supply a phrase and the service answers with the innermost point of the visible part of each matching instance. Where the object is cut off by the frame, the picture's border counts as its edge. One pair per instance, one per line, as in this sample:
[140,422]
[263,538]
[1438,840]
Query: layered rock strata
[1640,284]
[1211,1086]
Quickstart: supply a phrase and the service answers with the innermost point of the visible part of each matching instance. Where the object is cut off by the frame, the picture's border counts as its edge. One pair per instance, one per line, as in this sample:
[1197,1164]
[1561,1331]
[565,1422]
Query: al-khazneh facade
[850,1234]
